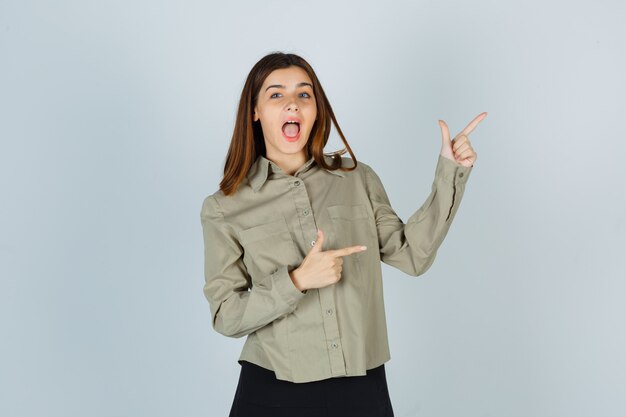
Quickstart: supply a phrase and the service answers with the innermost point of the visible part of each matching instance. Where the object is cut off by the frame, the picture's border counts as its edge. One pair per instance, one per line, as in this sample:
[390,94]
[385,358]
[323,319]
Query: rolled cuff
[285,286]
[451,172]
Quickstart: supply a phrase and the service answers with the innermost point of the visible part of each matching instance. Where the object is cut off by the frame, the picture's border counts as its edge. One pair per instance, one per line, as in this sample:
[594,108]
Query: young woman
[294,240]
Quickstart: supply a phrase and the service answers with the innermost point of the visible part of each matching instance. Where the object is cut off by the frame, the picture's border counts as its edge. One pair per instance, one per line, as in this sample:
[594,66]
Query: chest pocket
[353,226]
[267,247]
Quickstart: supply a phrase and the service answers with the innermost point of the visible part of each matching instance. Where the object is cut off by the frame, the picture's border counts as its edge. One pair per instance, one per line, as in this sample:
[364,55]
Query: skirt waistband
[365,395]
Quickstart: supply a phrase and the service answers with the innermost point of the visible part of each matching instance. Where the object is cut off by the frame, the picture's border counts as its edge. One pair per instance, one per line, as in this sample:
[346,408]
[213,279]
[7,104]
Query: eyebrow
[282,86]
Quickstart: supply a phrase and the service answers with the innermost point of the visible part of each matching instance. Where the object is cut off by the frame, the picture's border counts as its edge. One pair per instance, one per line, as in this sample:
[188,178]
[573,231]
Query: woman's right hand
[321,268]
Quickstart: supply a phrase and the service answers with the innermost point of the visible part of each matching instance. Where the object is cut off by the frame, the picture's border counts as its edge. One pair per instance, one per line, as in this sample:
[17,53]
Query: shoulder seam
[211,202]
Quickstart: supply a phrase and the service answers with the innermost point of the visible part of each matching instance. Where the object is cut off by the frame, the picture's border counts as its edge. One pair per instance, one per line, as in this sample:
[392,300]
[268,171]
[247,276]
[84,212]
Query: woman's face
[286,94]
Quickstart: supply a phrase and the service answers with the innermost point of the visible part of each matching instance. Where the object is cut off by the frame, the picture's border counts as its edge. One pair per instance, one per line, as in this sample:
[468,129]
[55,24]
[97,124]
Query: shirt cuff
[286,287]
[451,172]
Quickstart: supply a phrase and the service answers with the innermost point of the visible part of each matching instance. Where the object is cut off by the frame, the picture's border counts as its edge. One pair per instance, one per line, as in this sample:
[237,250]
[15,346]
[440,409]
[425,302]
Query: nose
[292,107]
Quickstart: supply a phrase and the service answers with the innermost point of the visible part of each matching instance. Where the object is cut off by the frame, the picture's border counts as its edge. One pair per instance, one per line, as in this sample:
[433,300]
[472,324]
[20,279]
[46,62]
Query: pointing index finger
[347,251]
[473,123]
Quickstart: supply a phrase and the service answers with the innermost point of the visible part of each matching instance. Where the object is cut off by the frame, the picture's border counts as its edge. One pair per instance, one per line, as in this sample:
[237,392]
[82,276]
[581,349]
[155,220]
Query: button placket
[331,329]
[308,228]
[304,212]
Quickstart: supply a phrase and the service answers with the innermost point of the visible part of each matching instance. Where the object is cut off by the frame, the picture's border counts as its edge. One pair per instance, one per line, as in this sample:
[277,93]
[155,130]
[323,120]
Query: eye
[307,95]
[272,96]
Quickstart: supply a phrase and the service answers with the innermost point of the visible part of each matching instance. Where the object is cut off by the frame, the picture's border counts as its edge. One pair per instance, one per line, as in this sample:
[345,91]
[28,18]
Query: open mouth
[291,129]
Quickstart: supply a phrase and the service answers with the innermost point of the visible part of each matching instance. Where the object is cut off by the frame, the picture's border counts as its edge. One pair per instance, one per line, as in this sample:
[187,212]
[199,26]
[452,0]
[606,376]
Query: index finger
[473,123]
[347,251]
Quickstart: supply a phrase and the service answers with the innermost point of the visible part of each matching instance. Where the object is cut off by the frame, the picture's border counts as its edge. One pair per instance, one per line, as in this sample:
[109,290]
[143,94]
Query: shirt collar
[260,169]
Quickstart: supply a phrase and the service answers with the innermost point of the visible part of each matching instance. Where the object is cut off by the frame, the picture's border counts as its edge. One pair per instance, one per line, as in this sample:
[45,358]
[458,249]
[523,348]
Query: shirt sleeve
[412,247]
[237,307]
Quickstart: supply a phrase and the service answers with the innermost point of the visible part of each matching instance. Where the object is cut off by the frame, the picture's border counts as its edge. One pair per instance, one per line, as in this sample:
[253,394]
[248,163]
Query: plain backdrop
[115,118]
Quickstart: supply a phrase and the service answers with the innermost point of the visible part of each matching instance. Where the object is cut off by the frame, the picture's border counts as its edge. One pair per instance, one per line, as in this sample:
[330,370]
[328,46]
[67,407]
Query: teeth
[291,121]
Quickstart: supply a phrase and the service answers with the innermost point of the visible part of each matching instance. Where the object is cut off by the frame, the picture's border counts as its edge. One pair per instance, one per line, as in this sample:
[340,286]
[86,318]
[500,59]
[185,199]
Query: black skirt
[260,394]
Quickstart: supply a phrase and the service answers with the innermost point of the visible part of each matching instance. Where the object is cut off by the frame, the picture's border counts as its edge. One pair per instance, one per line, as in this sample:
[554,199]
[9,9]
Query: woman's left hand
[460,149]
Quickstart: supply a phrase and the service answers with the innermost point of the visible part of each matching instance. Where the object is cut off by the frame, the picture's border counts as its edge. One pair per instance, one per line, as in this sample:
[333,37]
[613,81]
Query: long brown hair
[248,143]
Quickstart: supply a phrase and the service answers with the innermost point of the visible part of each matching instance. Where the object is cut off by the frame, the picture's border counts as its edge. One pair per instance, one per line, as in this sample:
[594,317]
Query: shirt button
[312,243]
[296,183]
[305,212]
[329,311]
[461,174]
[334,345]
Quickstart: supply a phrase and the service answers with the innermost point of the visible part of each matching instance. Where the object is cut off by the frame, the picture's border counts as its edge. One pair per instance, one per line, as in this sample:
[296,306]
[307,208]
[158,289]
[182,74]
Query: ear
[255,116]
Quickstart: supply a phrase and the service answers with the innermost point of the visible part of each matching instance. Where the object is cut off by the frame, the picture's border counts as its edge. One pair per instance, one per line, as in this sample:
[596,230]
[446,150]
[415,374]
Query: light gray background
[115,119]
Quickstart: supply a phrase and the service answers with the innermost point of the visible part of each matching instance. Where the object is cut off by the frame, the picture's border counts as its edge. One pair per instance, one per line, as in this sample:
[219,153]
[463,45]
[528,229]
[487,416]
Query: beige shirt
[254,237]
